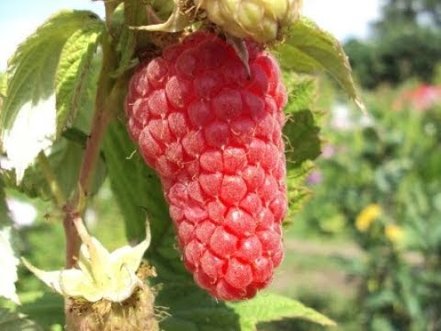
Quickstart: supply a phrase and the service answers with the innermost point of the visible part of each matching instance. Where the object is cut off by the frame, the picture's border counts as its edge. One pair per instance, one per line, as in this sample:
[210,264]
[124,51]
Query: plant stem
[72,239]
[101,118]
[109,8]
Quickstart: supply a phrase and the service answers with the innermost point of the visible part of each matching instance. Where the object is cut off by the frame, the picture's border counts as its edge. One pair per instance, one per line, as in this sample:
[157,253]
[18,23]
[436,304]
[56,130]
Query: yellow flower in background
[394,233]
[367,216]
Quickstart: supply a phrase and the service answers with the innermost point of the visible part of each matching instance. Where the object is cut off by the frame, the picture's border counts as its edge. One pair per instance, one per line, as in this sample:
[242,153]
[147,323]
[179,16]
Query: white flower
[8,266]
[101,275]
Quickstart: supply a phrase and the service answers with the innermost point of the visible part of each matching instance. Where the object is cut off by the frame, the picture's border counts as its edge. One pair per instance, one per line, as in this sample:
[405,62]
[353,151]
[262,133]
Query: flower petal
[50,278]
[128,257]
[124,284]
[73,283]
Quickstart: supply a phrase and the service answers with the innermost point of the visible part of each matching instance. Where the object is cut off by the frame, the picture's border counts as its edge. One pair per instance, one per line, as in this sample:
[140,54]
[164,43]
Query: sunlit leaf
[25,139]
[3,82]
[65,161]
[31,70]
[5,217]
[8,266]
[309,49]
[73,72]
[302,140]
[272,307]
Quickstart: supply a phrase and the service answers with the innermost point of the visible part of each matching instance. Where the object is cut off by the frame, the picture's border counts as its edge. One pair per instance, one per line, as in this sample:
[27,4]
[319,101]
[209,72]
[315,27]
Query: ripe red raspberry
[214,135]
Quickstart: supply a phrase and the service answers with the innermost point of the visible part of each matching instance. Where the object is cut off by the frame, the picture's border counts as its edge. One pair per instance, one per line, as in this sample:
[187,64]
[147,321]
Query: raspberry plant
[209,110]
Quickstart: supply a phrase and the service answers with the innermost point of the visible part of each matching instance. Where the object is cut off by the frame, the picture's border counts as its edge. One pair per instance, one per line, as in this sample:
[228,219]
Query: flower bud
[261,20]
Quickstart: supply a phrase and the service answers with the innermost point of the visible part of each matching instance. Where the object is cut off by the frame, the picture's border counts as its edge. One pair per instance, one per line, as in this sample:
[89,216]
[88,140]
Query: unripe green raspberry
[261,20]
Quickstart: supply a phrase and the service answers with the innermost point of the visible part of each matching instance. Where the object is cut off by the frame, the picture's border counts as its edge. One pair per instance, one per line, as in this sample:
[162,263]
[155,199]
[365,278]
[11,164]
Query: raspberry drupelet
[214,135]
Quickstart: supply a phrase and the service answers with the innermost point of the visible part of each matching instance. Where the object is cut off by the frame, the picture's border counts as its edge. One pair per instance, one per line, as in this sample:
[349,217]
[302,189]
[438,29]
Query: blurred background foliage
[405,43]
[377,186]
[366,248]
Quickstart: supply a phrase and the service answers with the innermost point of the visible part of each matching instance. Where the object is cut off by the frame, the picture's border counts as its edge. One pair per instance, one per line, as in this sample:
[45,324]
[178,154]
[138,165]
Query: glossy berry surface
[214,135]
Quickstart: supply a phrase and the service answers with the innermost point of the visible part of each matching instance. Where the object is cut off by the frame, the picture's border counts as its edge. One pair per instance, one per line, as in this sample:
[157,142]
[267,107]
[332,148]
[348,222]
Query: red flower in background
[420,98]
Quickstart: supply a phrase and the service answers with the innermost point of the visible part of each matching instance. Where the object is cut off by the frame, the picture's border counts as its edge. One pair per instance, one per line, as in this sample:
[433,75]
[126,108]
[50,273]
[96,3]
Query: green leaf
[5,217]
[64,161]
[303,144]
[34,182]
[273,307]
[44,308]
[74,72]
[126,49]
[76,135]
[126,41]
[195,309]
[15,322]
[142,200]
[31,70]
[303,138]
[143,197]
[302,92]
[301,130]
[308,49]
[3,85]
[9,263]
[298,192]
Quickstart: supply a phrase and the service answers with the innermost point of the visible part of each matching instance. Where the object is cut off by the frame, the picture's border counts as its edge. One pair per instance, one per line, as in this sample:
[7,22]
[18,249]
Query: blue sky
[19,18]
